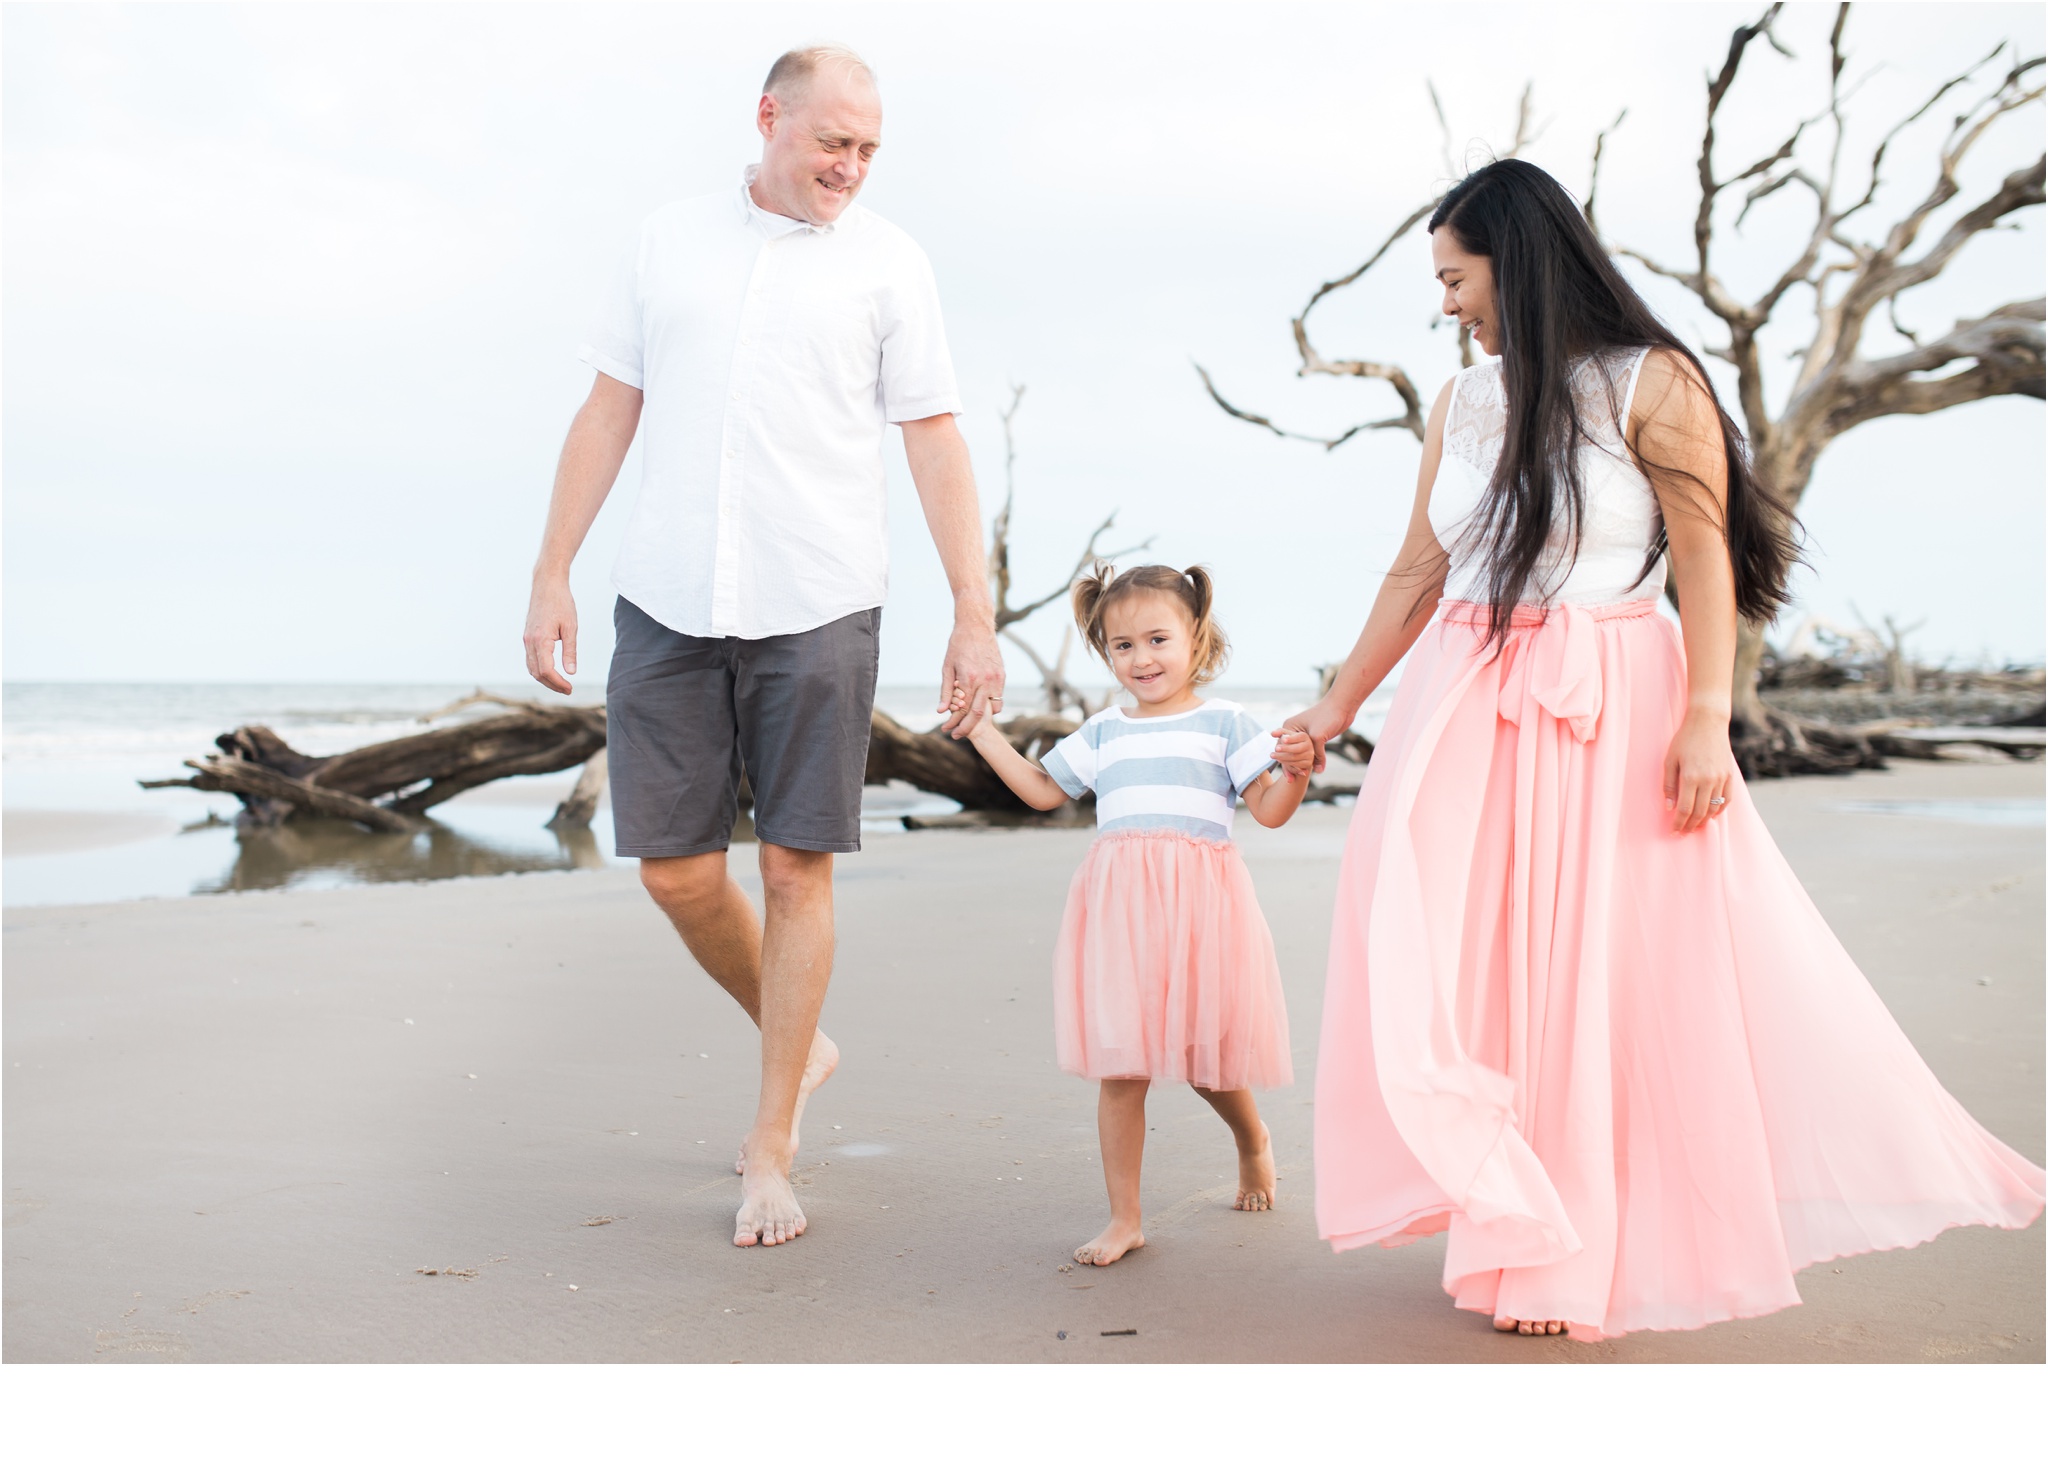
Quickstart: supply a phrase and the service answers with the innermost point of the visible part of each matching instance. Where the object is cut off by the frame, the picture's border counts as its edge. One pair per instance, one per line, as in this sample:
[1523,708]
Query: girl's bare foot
[1257,1184]
[1507,1325]
[818,1067]
[1112,1242]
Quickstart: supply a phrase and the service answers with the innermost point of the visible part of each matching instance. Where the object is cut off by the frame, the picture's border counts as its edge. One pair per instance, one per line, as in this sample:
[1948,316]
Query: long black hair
[1558,300]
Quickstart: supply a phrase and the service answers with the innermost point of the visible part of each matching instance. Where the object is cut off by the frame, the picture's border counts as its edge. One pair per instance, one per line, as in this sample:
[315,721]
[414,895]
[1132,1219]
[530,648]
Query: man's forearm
[944,476]
[591,455]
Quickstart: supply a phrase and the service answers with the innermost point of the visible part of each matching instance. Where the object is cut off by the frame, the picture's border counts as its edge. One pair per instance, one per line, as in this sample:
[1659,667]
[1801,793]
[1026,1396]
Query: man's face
[817,151]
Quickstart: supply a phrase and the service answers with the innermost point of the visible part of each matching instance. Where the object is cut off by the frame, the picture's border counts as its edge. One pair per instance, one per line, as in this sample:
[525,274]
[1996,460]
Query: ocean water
[79,749]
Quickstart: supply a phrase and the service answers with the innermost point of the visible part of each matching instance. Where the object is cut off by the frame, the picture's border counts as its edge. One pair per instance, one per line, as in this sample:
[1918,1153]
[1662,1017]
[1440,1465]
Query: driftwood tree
[1060,694]
[942,765]
[1850,275]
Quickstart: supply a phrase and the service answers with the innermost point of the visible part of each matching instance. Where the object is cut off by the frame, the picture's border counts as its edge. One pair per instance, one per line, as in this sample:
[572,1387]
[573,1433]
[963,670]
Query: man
[765,337]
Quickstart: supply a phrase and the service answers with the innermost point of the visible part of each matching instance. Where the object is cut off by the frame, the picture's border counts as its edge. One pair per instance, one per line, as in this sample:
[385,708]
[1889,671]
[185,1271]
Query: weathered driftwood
[1060,694]
[574,813]
[940,764]
[1898,740]
[388,785]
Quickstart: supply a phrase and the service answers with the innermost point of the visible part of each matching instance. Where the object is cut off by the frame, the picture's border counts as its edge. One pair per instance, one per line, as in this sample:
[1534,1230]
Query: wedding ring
[1717,799]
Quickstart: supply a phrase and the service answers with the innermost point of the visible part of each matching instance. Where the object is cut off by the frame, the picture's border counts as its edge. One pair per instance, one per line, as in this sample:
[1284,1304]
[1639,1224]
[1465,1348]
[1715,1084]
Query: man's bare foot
[1257,1184]
[1112,1242]
[1506,1325]
[768,1212]
[824,1058]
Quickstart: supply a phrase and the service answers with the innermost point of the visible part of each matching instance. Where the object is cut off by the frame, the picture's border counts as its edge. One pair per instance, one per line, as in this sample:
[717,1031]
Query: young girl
[1165,967]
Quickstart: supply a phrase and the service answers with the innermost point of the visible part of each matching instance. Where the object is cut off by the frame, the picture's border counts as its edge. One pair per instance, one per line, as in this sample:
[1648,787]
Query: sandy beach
[240,1127]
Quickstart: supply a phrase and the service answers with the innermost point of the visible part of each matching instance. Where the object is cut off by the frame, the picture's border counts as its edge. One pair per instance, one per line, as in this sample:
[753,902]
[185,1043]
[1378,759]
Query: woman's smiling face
[1468,288]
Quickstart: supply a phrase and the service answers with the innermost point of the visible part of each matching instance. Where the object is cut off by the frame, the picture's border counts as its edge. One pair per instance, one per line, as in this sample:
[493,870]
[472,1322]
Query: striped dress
[1165,966]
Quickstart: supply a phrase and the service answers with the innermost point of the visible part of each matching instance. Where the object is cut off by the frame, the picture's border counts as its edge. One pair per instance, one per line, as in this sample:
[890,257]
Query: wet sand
[67,831]
[237,1127]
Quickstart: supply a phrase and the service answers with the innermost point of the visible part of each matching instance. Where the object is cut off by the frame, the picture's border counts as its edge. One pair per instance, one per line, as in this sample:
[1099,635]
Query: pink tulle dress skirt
[1631,1072]
[1165,968]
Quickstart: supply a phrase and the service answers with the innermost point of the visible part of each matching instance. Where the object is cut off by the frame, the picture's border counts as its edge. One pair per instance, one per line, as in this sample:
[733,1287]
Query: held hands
[971,682]
[1296,753]
[1318,725]
[551,618]
[1699,770]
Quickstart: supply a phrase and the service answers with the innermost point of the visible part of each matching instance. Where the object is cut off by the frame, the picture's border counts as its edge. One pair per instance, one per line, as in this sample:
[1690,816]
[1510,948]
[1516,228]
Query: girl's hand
[1295,753]
[1320,724]
[1699,770]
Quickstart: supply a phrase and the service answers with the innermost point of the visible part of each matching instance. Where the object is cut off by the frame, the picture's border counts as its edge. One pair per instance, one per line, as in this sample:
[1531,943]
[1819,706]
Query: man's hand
[551,618]
[971,682]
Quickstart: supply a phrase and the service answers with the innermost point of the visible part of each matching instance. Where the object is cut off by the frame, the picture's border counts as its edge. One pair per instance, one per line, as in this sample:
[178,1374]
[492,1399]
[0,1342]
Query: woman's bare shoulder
[1670,392]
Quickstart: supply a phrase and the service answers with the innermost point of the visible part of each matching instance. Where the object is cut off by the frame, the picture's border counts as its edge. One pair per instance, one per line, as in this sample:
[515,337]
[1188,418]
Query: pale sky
[292,296]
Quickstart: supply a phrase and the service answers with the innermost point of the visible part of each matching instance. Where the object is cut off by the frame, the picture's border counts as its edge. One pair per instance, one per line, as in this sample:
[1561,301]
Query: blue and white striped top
[1181,773]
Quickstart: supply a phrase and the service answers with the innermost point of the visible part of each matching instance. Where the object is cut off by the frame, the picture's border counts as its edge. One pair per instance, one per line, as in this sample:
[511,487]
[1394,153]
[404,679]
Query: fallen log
[389,785]
[1898,740]
[938,763]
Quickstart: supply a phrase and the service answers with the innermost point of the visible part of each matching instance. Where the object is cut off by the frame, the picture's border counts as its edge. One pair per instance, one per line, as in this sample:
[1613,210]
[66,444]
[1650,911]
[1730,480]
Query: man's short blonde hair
[789,79]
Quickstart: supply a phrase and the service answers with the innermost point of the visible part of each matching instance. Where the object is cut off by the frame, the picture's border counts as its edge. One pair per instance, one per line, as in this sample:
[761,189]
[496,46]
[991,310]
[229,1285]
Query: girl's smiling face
[1151,644]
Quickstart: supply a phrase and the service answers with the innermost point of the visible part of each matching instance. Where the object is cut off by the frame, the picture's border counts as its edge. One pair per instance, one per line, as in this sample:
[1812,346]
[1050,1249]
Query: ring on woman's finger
[1717,801]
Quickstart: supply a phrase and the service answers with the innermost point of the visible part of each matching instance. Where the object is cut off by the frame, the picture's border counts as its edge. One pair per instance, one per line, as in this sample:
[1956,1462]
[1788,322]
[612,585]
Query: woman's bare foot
[768,1212]
[1506,1325]
[824,1058]
[1257,1184]
[1112,1242]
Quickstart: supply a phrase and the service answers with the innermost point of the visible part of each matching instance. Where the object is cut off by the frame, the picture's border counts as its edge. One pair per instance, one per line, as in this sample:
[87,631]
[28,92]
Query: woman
[1579,1011]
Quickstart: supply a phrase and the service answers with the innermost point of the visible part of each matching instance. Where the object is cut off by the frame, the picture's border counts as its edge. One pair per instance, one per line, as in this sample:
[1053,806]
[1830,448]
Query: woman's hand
[1699,770]
[1321,723]
[1295,752]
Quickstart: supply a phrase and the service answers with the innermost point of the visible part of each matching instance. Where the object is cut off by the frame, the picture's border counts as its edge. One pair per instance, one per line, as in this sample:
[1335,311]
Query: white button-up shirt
[773,355]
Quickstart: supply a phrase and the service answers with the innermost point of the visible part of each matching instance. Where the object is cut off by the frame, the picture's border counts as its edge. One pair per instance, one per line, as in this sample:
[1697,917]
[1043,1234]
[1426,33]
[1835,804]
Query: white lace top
[1620,521]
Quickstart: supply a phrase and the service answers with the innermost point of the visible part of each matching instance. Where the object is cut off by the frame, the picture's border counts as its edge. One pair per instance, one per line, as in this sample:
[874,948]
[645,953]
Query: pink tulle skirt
[1165,968]
[1633,1073]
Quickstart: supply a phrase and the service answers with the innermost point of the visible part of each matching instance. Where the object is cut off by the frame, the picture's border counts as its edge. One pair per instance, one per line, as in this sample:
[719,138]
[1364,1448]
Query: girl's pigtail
[1088,593]
[1211,648]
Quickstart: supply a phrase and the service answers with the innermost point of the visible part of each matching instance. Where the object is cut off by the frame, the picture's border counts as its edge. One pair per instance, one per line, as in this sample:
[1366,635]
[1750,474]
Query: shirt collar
[772,224]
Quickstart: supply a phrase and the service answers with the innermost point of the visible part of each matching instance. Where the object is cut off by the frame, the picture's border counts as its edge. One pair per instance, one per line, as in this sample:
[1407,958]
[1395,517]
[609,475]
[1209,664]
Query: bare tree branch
[1279,432]
[1314,363]
[1593,183]
[1443,124]
[1717,89]
[2007,347]
[1892,308]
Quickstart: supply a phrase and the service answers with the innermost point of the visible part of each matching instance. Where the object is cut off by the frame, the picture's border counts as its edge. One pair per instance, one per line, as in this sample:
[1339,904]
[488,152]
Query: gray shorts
[686,716]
